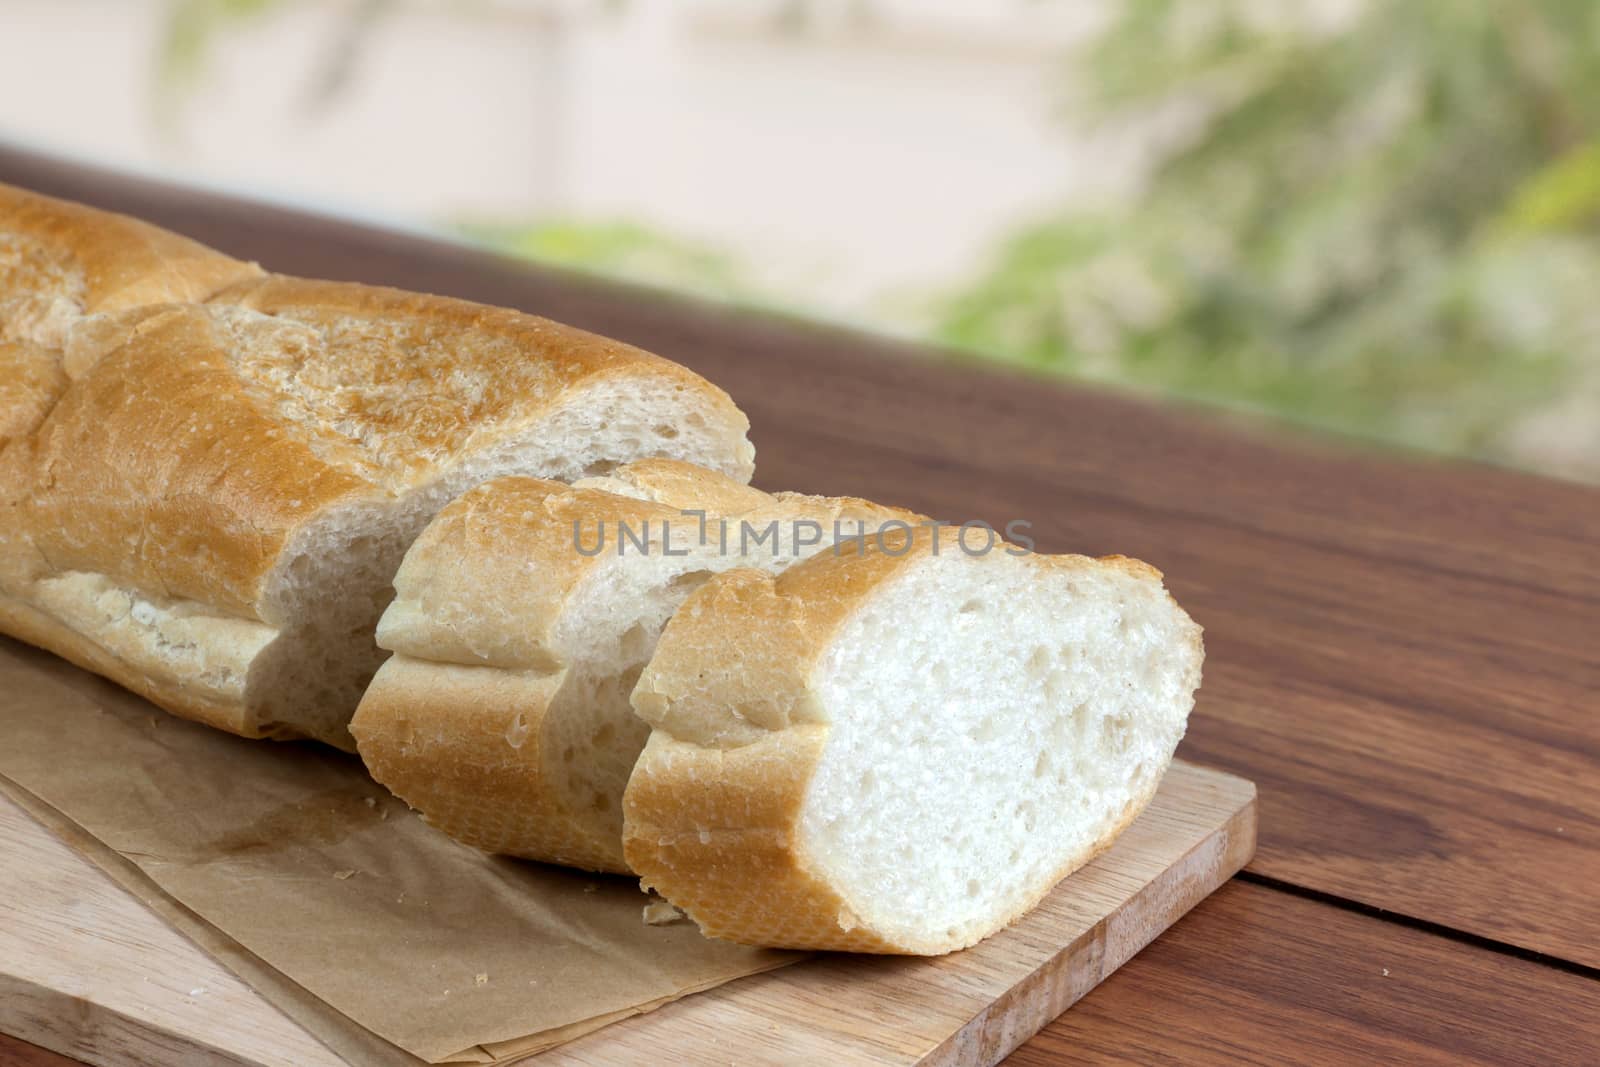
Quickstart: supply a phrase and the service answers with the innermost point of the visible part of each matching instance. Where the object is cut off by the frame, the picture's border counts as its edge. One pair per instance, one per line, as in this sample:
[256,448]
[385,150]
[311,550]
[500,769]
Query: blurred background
[1380,218]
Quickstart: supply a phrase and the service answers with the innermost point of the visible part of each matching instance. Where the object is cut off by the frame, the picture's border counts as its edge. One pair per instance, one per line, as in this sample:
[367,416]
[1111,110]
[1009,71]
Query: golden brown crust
[684,486]
[162,471]
[714,831]
[713,811]
[31,381]
[205,440]
[473,734]
[486,582]
[376,358]
[60,261]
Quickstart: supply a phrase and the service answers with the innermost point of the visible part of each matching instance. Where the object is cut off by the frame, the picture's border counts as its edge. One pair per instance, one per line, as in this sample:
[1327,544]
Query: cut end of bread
[991,723]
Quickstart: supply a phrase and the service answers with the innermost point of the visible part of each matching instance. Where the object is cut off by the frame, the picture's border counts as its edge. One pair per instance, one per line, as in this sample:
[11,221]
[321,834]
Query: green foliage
[621,250]
[192,27]
[1388,226]
[1564,196]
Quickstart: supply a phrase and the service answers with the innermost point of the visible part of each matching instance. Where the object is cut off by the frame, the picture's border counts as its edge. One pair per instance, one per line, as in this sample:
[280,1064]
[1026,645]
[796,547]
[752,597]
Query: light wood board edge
[1033,1003]
[81,1026]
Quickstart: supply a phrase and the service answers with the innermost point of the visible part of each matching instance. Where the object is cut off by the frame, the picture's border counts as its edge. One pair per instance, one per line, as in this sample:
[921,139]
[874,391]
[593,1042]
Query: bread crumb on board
[344,875]
[482,978]
[660,913]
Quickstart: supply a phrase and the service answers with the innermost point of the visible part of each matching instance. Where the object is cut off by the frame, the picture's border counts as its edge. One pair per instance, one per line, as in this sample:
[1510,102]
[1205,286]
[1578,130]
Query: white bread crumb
[660,913]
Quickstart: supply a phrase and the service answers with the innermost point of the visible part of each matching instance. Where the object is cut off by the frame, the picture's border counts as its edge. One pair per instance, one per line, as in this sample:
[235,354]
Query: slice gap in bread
[590,731]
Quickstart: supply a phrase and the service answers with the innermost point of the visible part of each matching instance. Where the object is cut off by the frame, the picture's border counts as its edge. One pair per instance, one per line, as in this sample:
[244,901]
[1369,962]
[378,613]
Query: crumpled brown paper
[327,894]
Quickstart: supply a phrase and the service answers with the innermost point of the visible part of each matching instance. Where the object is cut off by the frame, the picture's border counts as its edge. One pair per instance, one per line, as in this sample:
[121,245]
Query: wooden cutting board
[87,970]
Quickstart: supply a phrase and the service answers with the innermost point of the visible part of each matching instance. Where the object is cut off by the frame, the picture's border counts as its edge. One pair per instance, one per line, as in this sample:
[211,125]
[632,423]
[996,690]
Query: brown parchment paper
[287,863]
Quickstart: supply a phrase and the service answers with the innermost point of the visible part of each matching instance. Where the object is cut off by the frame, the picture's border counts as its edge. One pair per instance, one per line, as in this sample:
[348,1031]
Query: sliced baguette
[901,751]
[208,476]
[503,716]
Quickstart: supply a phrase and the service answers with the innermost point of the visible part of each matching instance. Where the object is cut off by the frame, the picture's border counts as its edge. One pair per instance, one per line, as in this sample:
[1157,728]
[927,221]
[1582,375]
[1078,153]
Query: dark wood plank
[1254,976]
[1403,654]
[15,1052]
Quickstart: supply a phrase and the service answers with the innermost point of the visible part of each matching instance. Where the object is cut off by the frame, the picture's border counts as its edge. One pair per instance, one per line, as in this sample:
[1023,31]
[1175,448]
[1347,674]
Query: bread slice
[900,750]
[519,629]
[206,492]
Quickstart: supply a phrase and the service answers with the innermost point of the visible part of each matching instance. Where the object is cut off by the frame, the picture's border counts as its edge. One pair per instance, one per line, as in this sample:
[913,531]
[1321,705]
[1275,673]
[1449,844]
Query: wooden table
[1403,654]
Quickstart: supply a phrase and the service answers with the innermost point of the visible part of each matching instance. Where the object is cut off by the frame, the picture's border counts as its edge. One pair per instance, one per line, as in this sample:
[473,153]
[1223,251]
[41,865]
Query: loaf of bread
[524,614]
[209,475]
[901,750]
[609,651]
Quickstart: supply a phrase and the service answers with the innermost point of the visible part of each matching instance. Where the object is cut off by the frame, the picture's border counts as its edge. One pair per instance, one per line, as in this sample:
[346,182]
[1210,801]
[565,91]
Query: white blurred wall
[852,158]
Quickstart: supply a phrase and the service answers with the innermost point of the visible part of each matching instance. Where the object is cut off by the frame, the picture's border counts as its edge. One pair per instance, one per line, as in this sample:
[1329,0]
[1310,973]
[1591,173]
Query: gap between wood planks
[1426,926]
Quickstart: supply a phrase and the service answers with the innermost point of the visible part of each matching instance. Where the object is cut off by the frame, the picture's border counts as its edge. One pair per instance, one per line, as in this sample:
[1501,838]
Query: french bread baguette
[523,616]
[209,475]
[900,751]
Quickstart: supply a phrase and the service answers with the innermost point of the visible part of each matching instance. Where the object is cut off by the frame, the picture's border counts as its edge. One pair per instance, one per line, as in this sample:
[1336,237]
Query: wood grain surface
[1251,967]
[1404,654]
[15,1052]
[87,969]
